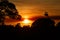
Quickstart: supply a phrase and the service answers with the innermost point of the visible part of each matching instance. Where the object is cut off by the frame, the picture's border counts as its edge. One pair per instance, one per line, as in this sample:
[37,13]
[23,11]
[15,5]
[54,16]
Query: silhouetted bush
[57,29]
[43,24]
[18,28]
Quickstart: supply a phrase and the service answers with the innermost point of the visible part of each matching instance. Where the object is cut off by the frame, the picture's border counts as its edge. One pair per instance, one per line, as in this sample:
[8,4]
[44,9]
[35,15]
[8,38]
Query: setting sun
[26,21]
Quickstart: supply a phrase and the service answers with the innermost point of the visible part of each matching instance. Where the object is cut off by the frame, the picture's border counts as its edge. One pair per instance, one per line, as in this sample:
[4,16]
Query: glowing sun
[26,21]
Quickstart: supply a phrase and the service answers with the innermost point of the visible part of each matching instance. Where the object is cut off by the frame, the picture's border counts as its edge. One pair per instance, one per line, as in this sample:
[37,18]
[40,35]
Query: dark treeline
[41,25]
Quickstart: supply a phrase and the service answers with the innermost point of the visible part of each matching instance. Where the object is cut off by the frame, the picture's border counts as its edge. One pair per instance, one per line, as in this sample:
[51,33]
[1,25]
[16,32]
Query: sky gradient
[37,7]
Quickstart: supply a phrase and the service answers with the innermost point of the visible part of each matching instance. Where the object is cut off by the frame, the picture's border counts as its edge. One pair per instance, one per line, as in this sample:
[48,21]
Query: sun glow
[26,17]
[26,21]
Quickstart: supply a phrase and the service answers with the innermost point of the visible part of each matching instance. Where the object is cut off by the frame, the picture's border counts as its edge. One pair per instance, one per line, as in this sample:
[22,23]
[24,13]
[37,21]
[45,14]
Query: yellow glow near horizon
[26,21]
[25,17]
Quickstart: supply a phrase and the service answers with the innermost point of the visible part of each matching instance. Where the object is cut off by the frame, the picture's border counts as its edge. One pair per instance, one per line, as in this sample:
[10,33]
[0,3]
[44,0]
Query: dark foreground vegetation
[42,26]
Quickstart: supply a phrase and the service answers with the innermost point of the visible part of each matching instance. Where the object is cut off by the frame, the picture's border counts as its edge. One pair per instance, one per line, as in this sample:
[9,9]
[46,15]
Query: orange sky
[37,7]
[29,8]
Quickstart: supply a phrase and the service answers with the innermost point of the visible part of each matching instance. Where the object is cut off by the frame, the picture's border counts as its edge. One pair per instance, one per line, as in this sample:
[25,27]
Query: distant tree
[18,25]
[46,14]
[8,9]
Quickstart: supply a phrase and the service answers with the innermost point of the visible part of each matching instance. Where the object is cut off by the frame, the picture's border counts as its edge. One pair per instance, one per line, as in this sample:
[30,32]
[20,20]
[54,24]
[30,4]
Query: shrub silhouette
[43,24]
[57,29]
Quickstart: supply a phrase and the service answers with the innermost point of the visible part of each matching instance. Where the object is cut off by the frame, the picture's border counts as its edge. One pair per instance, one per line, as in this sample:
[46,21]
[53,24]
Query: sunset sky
[37,7]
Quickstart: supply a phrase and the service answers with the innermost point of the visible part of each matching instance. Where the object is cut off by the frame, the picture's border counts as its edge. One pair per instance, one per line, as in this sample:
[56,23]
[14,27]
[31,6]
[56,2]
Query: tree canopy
[8,9]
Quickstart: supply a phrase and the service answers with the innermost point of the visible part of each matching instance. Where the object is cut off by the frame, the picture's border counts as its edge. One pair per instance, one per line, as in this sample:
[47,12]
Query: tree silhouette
[46,14]
[43,24]
[8,9]
[57,27]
